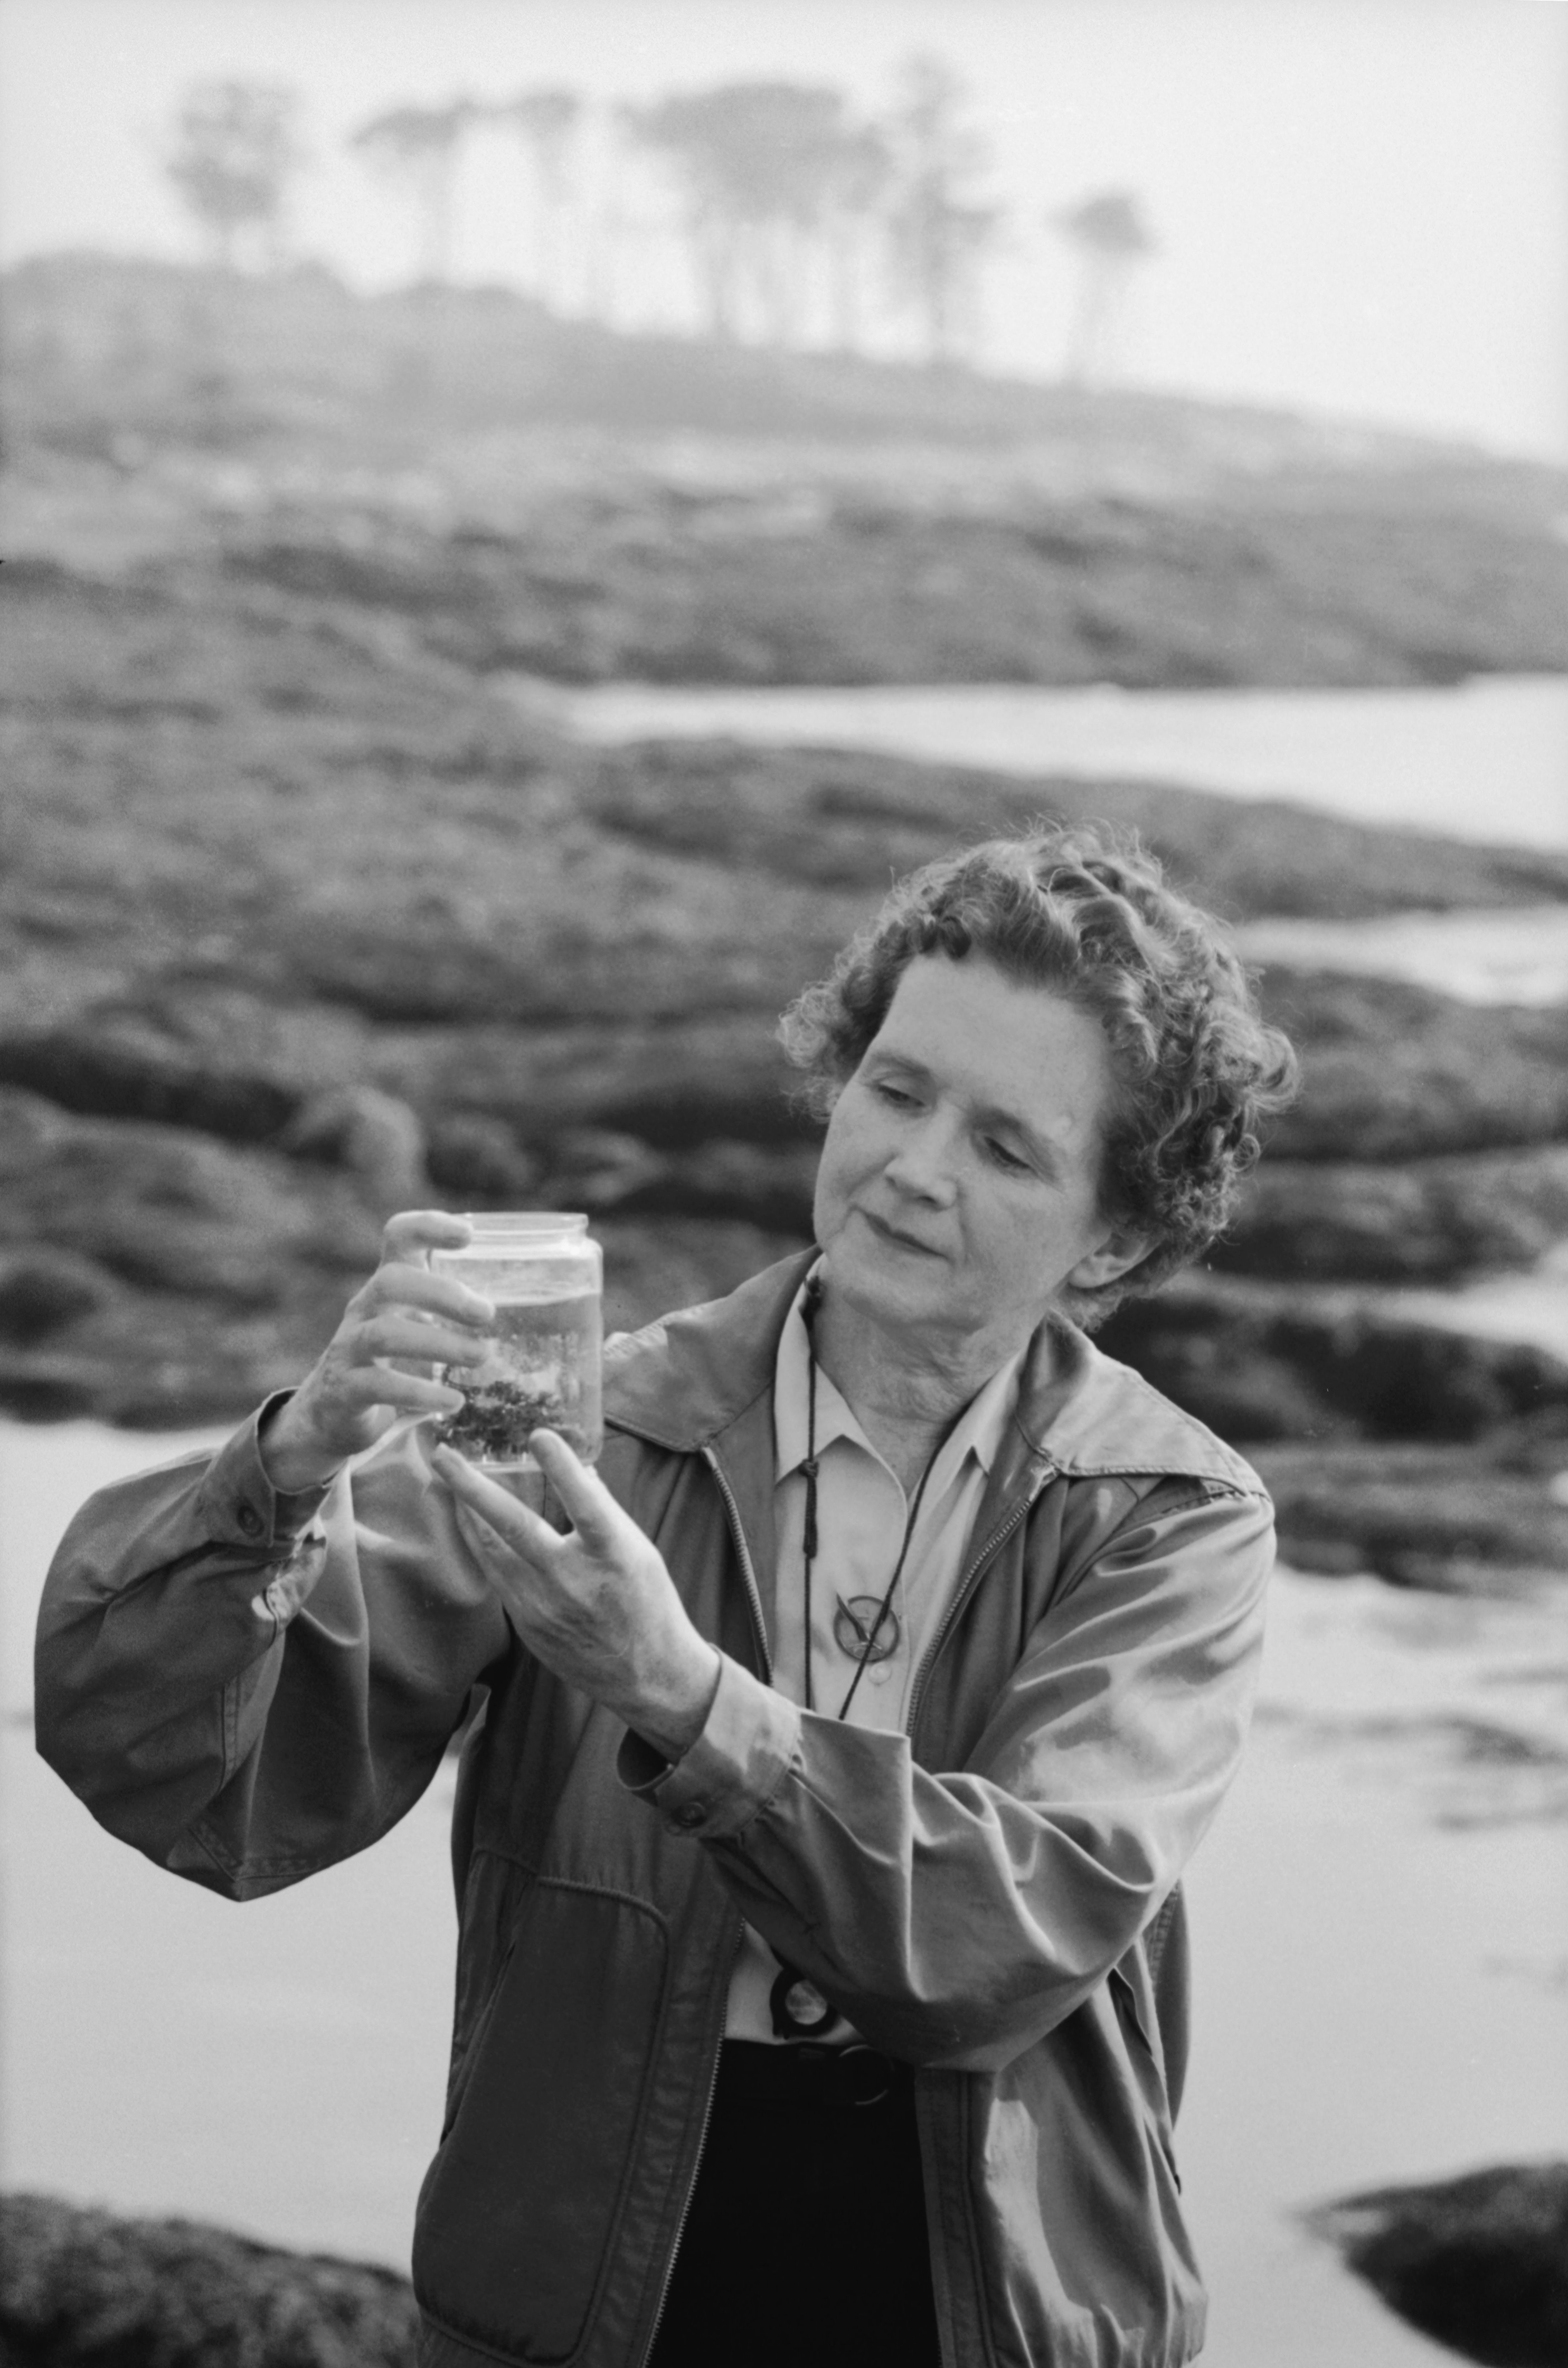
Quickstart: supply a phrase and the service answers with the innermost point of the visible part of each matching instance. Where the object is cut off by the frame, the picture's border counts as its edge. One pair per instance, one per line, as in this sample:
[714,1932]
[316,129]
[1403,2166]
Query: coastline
[328,905]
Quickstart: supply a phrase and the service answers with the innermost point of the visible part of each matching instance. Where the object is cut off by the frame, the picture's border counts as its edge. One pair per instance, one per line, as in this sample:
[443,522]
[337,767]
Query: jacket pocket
[517,2215]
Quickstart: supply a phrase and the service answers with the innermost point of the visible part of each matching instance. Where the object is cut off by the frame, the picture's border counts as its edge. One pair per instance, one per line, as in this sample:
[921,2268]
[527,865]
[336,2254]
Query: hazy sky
[1361,205]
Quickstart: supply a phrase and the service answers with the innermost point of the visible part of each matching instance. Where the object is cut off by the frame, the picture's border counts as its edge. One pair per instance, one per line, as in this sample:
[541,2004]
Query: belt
[801,2076]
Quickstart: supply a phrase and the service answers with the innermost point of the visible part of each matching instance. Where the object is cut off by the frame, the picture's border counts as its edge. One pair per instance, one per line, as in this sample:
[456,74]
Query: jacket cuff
[239,1510]
[731,1771]
[237,1503]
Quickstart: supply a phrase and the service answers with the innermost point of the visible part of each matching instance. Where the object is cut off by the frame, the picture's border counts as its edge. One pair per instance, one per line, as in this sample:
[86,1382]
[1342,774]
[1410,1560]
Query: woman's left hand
[596,1605]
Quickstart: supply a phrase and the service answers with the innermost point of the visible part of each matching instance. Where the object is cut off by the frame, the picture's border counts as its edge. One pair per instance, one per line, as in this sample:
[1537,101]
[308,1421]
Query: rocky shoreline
[355,935]
[305,918]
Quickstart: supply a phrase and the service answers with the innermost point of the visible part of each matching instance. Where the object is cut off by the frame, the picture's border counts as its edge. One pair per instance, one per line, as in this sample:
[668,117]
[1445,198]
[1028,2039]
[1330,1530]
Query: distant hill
[147,347]
[519,493]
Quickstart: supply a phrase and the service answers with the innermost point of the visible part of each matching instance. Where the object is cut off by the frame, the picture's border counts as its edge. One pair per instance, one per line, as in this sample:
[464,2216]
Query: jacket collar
[688,1380]
[684,1381]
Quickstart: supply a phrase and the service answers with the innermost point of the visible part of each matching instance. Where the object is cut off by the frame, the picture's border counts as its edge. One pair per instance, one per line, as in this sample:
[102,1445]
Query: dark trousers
[805,2245]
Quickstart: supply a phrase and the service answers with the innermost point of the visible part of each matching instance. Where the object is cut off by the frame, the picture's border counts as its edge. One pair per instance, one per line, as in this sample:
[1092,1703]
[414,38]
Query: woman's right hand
[362,1383]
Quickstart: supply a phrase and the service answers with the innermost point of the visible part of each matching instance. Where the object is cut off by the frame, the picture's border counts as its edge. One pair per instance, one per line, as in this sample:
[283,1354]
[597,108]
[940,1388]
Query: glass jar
[546,1280]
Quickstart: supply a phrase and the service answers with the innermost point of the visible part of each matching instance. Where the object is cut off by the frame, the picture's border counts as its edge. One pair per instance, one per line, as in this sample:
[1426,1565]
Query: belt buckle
[871,2072]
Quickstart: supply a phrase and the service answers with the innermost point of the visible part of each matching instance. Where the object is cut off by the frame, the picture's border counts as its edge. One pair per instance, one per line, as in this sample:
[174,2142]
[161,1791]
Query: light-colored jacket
[248,1688]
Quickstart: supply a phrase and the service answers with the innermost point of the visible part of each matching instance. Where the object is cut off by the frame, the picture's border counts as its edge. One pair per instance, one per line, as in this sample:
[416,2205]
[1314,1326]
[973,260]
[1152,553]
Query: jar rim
[489,1224]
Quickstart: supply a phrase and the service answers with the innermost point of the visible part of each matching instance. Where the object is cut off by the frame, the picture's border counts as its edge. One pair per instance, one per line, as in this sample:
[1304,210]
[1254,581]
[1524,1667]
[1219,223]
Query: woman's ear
[1117,1255]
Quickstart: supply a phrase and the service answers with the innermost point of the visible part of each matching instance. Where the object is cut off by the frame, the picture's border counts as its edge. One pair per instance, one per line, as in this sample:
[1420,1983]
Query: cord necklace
[867,1638]
[797,2008]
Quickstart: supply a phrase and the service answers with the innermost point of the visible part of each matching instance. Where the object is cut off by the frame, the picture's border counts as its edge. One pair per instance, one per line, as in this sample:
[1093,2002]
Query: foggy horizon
[1355,212]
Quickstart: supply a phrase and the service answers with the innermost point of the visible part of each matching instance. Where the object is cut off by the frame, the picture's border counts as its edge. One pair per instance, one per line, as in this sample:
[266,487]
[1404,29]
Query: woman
[820,1991]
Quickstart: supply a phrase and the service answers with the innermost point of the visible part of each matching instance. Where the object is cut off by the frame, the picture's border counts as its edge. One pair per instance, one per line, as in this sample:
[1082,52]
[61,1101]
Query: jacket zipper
[690,2193]
[997,1539]
[754,1598]
[737,1533]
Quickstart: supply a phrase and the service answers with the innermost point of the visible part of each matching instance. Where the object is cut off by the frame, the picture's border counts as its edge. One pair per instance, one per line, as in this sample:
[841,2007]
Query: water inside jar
[543,1366]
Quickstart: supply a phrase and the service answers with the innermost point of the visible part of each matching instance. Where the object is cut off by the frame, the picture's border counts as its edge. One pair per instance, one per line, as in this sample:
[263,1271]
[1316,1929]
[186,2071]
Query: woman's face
[957,1189]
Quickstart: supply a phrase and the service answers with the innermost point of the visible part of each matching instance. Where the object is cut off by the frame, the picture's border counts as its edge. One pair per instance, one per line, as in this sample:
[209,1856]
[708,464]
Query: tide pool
[1485,760]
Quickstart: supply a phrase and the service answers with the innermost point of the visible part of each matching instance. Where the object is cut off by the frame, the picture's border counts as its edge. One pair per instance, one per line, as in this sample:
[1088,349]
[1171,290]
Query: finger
[516,1524]
[596,1517]
[391,1335]
[387,1386]
[413,1233]
[481,1540]
[418,1286]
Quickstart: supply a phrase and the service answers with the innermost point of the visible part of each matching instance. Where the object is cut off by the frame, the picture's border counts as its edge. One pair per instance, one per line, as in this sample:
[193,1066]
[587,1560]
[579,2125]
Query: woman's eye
[1006,1158]
[893,1093]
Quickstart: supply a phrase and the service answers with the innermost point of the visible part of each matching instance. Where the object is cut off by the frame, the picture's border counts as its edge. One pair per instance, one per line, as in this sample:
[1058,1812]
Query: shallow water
[1485,760]
[1517,956]
[1380,1922]
[1528,1306]
[1381,1948]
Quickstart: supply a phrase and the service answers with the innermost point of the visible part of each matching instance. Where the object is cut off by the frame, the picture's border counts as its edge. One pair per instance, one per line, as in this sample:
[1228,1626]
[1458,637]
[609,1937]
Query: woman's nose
[922,1164]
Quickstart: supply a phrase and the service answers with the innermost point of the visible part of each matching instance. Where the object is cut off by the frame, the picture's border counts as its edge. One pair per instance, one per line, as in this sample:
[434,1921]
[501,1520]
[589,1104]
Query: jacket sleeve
[956,1918]
[248,1687]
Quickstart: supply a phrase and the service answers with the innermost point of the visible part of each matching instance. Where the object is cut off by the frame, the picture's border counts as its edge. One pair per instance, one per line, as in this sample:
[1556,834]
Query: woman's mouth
[886,1233]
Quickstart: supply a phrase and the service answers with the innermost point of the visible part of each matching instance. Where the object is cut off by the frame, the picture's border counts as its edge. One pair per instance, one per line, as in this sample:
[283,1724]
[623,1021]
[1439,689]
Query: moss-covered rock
[1411,1220]
[86,2289]
[1467,1520]
[43,1289]
[167,1210]
[1479,2262]
[852,818]
[151,1275]
[1392,1071]
[1263,1362]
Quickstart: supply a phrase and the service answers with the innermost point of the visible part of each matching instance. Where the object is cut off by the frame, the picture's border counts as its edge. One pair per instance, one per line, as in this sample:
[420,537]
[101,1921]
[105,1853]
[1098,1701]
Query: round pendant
[860,1635]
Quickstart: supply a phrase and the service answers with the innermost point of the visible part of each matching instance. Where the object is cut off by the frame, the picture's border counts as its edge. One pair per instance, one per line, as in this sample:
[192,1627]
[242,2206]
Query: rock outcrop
[1479,2262]
[370,1137]
[1269,1362]
[1486,1520]
[88,2289]
[1399,1221]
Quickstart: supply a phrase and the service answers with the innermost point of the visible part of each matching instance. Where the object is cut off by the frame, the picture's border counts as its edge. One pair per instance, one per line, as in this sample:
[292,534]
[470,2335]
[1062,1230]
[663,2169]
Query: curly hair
[1085,914]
